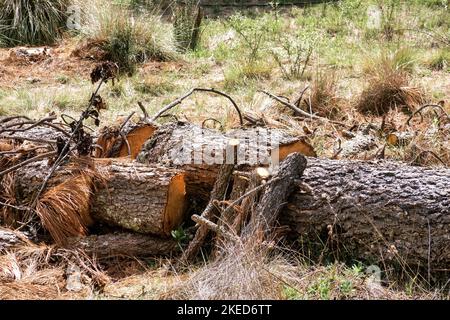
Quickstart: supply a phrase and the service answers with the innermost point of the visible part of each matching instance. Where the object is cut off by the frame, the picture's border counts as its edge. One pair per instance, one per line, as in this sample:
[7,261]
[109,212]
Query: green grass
[32,22]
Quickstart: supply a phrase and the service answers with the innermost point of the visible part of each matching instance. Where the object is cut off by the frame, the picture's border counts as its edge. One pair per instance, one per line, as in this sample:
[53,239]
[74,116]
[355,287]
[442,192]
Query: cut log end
[112,145]
[300,146]
[136,139]
[176,204]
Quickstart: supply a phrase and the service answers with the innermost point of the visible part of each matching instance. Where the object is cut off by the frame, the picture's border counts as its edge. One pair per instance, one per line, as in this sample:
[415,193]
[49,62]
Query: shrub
[324,100]
[388,87]
[127,39]
[32,22]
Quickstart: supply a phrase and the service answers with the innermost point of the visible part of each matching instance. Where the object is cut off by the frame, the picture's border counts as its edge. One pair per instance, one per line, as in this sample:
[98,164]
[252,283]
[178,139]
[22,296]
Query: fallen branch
[300,111]
[189,93]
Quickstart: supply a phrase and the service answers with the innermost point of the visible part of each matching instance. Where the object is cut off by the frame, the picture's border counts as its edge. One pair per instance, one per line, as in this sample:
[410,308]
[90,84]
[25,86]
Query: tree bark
[128,244]
[275,195]
[142,198]
[375,210]
[200,152]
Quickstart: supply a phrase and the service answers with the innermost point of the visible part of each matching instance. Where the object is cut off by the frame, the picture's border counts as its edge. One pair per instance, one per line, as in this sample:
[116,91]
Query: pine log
[127,244]
[200,152]
[117,141]
[142,198]
[375,210]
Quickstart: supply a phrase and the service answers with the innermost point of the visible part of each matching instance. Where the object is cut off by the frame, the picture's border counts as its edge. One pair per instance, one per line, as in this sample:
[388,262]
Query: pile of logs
[150,180]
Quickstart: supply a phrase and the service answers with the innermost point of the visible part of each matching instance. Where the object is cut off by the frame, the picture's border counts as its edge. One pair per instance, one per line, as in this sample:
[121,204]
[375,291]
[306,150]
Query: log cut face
[142,198]
[376,210]
[145,199]
[112,145]
[200,152]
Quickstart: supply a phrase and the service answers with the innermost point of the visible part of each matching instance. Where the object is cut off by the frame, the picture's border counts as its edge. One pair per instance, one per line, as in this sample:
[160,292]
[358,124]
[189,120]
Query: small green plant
[179,235]
[292,56]
[32,22]
[253,34]
[290,293]
[186,25]
[321,288]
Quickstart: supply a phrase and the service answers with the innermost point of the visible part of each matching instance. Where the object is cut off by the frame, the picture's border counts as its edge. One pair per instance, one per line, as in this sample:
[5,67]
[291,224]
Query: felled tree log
[128,244]
[116,142]
[200,152]
[143,198]
[375,210]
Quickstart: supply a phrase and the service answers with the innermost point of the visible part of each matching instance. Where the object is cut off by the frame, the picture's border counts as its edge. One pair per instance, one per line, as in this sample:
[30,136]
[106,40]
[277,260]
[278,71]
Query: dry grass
[243,272]
[64,209]
[324,100]
[388,88]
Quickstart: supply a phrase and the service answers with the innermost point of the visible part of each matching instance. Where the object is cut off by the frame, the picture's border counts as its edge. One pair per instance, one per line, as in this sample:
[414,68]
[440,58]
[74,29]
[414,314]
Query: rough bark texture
[143,198]
[200,152]
[276,194]
[40,132]
[129,244]
[377,210]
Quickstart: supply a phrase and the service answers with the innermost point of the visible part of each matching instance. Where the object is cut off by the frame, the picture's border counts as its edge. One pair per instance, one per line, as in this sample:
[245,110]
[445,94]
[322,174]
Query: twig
[7,119]
[299,100]
[20,208]
[300,111]
[44,121]
[19,165]
[214,227]
[429,251]
[218,193]
[426,106]
[189,93]
[248,193]
[415,161]
[20,151]
[28,139]
[214,120]
[126,121]
[144,111]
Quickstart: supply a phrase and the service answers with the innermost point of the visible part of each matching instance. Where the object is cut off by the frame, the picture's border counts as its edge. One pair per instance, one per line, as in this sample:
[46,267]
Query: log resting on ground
[200,152]
[142,198]
[127,244]
[377,210]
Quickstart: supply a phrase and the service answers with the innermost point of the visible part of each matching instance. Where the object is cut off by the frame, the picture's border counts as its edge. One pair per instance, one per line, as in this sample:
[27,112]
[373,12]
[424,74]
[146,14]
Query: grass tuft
[32,22]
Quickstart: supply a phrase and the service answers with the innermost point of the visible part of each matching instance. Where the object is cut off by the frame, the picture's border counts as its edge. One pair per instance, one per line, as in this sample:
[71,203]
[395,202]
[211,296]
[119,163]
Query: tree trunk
[200,152]
[375,210]
[128,244]
[142,198]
